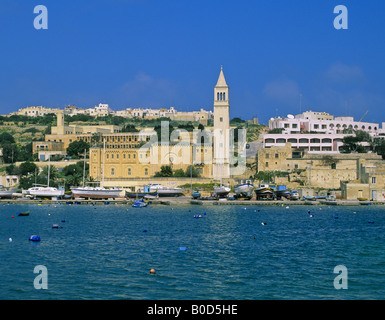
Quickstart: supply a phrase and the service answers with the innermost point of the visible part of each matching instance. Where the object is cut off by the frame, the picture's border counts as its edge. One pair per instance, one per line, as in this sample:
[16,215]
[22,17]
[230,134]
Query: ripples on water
[102,252]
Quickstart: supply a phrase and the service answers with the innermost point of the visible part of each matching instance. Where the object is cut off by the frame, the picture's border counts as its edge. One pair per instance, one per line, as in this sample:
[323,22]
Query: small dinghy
[139,204]
[23,214]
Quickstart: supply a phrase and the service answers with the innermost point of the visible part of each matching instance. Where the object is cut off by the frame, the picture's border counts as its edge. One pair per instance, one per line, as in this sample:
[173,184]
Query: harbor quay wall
[182,201]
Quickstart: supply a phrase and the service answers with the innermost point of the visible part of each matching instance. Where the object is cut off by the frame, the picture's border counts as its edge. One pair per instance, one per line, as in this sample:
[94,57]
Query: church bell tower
[221,134]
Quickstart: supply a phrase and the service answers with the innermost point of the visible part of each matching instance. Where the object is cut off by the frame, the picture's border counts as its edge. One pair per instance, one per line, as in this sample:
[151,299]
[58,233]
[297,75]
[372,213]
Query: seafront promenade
[188,201]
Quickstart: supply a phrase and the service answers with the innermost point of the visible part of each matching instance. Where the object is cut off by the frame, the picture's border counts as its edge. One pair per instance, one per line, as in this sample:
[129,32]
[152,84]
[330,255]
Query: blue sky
[152,53]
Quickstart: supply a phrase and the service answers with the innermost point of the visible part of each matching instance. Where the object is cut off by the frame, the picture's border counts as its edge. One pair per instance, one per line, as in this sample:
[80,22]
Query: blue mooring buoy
[34,238]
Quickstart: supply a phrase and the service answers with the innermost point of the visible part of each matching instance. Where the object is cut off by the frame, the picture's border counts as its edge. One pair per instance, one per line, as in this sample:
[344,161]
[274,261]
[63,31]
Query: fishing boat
[294,195]
[282,191]
[264,192]
[165,191]
[23,214]
[244,190]
[196,194]
[142,193]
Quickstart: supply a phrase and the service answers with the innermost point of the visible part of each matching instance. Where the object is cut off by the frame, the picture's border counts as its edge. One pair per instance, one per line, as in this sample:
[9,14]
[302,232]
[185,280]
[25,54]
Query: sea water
[107,252]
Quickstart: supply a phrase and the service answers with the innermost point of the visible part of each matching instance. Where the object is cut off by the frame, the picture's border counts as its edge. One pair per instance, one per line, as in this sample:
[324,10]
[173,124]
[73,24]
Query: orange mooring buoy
[152,271]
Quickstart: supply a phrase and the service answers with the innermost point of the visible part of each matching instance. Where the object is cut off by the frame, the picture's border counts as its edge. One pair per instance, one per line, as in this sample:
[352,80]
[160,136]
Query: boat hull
[283,193]
[96,194]
[141,194]
[244,191]
[264,193]
[170,193]
[40,192]
[222,192]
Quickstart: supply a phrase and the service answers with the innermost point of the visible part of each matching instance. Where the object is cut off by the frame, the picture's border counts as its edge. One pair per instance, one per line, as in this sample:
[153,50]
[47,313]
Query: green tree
[352,143]
[129,128]
[165,171]
[179,173]
[6,138]
[379,148]
[27,168]
[76,148]
[191,170]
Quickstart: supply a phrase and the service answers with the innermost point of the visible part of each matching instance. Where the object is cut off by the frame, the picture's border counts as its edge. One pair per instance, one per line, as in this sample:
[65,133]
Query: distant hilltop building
[35,111]
[103,110]
[317,132]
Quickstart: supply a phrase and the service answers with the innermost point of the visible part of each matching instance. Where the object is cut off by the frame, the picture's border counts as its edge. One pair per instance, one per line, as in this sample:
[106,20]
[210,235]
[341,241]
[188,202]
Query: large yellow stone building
[123,157]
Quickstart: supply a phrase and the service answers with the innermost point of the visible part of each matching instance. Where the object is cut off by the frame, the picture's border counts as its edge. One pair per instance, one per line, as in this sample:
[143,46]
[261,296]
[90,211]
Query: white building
[313,143]
[35,111]
[101,110]
[321,122]
[316,132]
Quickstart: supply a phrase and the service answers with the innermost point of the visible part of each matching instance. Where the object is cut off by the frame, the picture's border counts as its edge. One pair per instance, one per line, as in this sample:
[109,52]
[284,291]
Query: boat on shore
[165,191]
[244,190]
[196,194]
[282,192]
[95,192]
[45,192]
[222,191]
[294,195]
[6,192]
[264,192]
[141,194]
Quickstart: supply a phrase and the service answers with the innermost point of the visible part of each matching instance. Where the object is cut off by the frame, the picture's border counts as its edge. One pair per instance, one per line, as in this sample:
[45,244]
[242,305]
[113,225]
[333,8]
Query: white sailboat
[95,192]
[222,191]
[46,191]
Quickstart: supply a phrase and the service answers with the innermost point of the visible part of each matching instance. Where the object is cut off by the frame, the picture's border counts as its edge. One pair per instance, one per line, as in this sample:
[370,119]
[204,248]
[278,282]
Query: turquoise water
[102,252]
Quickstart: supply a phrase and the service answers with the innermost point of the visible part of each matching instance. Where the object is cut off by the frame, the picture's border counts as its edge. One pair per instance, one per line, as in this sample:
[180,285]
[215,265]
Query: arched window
[221,96]
[146,171]
[112,171]
[224,96]
[218,96]
[129,171]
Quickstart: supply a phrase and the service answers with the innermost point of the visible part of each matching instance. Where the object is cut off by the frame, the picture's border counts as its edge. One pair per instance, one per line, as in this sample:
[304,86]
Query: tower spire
[221,79]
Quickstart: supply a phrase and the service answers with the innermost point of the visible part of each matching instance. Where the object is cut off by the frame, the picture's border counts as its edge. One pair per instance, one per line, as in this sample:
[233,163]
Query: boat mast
[104,156]
[49,168]
[84,166]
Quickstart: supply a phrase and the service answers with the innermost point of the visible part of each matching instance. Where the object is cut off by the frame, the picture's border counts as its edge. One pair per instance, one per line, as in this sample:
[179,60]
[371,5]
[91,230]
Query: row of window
[129,171]
[303,140]
[221,96]
[331,126]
